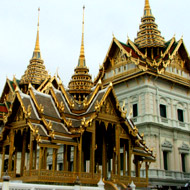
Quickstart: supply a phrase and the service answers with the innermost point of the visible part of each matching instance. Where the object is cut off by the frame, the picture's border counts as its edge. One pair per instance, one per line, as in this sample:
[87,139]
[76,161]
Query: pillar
[15,161]
[40,159]
[124,159]
[137,166]
[45,158]
[69,157]
[75,159]
[3,160]
[35,154]
[11,150]
[117,138]
[31,152]
[80,156]
[104,158]
[129,158]
[22,166]
[92,150]
[54,166]
[114,160]
[65,158]
[147,167]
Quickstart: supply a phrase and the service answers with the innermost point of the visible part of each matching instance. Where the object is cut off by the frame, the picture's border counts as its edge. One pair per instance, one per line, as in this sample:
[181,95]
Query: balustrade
[61,176]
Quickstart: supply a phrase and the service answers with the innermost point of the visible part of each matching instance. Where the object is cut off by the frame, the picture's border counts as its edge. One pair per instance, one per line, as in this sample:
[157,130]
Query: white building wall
[149,93]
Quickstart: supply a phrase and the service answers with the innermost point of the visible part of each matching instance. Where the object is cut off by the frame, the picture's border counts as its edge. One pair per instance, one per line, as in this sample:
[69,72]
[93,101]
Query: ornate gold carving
[159,71]
[41,108]
[52,134]
[5,118]
[107,107]
[61,106]
[119,57]
[49,126]
[85,102]
[38,138]
[80,130]
[28,113]
[69,122]
[97,106]
[134,131]
[83,122]
[123,110]
[35,130]
[144,68]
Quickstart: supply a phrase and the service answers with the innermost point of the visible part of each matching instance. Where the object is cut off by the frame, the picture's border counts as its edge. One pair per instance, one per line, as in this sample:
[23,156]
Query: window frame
[183,162]
[180,117]
[165,160]
[135,111]
[163,110]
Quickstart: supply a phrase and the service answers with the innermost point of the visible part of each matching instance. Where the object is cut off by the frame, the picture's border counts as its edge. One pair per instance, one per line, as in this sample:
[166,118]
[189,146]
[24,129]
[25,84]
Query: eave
[170,77]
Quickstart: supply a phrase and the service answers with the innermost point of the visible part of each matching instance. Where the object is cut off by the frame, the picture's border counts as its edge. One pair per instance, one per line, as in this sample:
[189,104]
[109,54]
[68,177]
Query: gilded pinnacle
[82,55]
[147,5]
[147,9]
[37,46]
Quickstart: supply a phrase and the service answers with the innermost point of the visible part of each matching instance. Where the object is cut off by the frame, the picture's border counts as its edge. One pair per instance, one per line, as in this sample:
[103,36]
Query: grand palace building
[132,123]
[152,77]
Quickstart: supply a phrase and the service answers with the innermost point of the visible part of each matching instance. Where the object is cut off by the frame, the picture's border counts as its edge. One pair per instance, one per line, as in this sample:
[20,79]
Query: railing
[11,174]
[139,181]
[162,174]
[181,124]
[164,120]
[60,176]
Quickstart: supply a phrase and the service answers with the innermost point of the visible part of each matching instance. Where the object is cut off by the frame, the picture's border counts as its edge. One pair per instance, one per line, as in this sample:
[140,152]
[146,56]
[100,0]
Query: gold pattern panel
[19,115]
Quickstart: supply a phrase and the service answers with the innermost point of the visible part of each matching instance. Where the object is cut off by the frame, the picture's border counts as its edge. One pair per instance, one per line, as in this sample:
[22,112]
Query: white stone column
[101,184]
[187,160]
[5,184]
[132,185]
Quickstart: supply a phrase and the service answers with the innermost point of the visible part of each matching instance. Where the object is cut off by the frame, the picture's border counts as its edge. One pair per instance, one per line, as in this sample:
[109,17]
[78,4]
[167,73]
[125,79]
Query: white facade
[168,137]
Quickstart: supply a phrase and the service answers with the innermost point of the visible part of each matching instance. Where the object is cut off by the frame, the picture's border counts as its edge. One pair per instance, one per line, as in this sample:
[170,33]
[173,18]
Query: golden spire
[81,62]
[37,53]
[147,9]
[36,72]
[81,82]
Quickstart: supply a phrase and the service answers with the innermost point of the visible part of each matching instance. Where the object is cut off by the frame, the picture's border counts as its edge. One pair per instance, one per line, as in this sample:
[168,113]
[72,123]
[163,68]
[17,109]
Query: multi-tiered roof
[81,82]
[149,35]
[36,72]
[149,53]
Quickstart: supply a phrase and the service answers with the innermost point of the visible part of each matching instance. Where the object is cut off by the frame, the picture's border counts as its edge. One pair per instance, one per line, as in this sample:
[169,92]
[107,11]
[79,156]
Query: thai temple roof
[149,35]
[36,72]
[81,81]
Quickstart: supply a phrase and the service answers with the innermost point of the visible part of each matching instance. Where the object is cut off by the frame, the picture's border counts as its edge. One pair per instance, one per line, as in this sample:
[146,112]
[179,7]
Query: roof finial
[113,35]
[147,5]
[82,56]
[37,46]
[147,9]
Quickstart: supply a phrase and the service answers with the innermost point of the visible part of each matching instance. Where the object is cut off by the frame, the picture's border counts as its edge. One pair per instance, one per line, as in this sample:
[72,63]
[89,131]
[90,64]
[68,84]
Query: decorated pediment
[178,62]
[167,146]
[108,108]
[19,116]
[119,57]
[184,148]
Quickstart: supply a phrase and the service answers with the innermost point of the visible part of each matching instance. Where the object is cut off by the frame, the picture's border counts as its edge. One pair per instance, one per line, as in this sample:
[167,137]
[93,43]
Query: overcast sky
[61,26]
